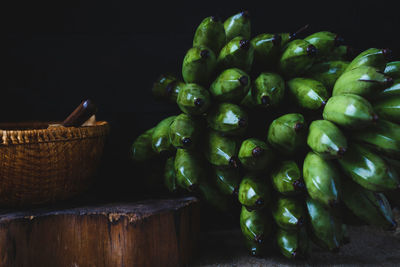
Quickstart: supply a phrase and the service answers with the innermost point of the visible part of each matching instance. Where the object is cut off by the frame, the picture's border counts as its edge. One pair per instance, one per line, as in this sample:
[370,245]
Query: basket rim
[46,135]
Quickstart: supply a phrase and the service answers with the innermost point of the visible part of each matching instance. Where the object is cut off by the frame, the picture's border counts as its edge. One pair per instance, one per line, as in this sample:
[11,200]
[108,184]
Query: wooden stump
[150,233]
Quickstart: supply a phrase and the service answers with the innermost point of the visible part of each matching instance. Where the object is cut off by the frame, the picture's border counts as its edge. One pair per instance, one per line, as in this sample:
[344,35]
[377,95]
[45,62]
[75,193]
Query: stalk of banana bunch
[301,132]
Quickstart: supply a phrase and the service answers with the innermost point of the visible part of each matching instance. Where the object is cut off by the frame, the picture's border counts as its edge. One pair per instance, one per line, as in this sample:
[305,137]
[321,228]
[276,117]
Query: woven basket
[40,165]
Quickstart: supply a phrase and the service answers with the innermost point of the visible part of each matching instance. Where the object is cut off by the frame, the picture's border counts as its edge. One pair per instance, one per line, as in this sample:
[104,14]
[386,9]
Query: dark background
[61,52]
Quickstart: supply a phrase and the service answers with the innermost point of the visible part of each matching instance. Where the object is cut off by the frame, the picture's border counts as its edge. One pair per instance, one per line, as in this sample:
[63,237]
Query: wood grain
[150,233]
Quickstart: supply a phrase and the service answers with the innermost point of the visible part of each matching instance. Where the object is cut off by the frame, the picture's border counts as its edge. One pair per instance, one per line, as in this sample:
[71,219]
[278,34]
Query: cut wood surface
[148,233]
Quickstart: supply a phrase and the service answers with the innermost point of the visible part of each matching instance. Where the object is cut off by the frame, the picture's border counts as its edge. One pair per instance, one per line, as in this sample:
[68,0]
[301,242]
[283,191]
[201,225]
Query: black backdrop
[61,52]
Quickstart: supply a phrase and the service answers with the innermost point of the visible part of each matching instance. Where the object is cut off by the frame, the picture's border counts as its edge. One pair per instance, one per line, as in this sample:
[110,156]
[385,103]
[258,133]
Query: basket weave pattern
[39,165]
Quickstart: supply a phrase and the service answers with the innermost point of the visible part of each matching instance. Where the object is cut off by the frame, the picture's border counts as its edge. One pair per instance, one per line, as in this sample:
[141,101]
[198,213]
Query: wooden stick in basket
[81,114]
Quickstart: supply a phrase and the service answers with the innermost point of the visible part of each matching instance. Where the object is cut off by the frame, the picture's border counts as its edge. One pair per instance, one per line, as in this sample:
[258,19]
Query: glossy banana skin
[210,33]
[256,227]
[228,118]
[349,111]
[393,90]
[221,150]
[287,179]
[321,179]
[292,244]
[193,99]
[326,228]
[266,50]
[368,169]
[324,41]
[167,87]
[389,109]
[237,53]
[288,133]
[238,25]
[198,65]
[232,85]
[169,175]
[326,139]
[392,69]
[227,180]
[255,155]
[184,131]
[297,58]
[188,169]
[268,90]
[327,72]
[142,149]
[160,139]
[288,213]
[372,57]
[372,208]
[383,137]
[364,81]
[308,93]
[254,193]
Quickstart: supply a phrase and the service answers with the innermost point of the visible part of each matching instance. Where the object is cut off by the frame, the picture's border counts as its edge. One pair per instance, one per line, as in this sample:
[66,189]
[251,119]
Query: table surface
[368,246]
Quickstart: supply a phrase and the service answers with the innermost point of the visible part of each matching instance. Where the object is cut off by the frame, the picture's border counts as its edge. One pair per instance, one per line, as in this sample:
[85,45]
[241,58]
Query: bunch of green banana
[298,132]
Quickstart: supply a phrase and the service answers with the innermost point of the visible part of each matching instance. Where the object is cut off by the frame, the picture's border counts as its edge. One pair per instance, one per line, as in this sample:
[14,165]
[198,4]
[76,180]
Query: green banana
[169,175]
[227,180]
[237,53]
[141,149]
[232,85]
[255,155]
[326,139]
[325,42]
[292,244]
[287,178]
[389,109]
[297,58]
[268,90]
[288,213]
[254,192]
[326,229]
[167,87]
[321,179]
[392,69]
[248,100]
[160,139]
[287,133]
[372,57]
[198,65]
[238,25]
[188,169]
[364,81]
[349,111]
[266,51]
[384,138]
[184,131]
[228,118]
[368,169]
[256,225]
[327,72]
[393,90]
[221,150]
[372,208]
[210,33]
[193,99]
[308,93]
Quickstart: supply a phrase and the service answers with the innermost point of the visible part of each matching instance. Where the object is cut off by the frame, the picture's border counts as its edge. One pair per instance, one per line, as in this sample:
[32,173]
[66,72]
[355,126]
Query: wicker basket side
[39,166]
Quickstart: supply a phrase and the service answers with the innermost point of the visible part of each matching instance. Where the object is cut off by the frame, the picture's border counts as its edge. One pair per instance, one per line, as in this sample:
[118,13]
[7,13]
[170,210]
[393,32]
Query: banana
[321,179]
[372,208]
[368,169]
